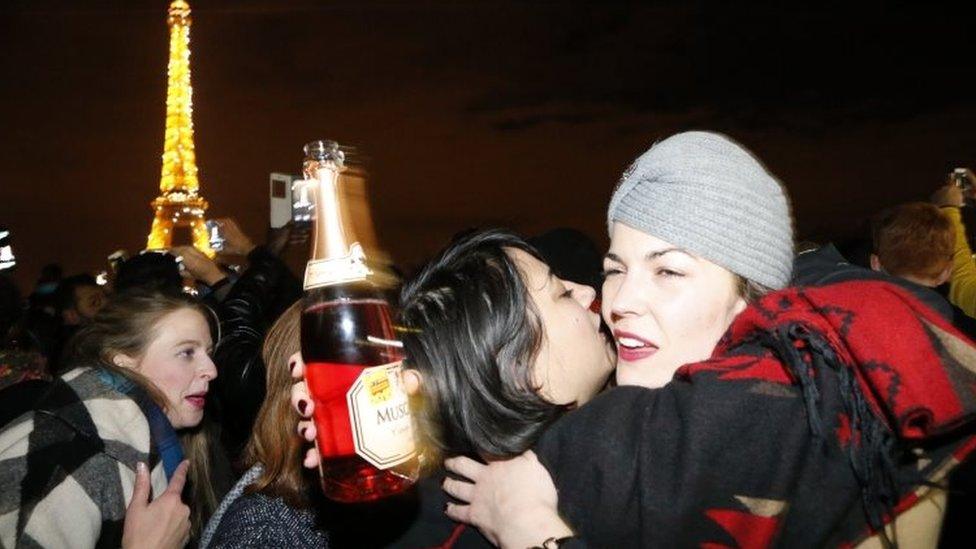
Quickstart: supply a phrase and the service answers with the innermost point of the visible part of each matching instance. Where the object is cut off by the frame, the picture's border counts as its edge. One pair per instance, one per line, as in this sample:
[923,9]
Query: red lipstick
[632,347]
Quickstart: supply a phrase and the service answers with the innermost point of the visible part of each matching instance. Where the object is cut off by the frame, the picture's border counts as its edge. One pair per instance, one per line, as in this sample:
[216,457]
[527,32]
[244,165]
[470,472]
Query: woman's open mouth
[632,347]
[197,400]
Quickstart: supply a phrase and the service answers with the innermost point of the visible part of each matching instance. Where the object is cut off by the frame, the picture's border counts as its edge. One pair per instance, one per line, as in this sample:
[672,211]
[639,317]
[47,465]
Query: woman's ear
[123,361]
[740,305]
[411,381]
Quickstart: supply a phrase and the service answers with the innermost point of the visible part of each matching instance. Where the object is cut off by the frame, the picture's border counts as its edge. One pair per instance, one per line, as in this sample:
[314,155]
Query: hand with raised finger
[513,502]
[162,523]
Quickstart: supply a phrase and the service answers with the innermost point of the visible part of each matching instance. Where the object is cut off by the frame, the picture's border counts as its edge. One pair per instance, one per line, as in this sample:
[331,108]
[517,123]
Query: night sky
[472,113]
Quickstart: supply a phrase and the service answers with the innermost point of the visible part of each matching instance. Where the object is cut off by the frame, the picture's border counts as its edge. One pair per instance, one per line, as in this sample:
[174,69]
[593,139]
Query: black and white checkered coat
[67,468]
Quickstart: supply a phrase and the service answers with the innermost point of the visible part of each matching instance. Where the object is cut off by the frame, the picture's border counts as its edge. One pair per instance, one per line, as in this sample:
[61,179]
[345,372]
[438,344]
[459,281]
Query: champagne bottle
[352,357]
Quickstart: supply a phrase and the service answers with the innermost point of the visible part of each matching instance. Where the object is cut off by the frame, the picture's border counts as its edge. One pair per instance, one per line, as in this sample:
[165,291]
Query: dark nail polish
[301,406]
[291,366]
[301,432]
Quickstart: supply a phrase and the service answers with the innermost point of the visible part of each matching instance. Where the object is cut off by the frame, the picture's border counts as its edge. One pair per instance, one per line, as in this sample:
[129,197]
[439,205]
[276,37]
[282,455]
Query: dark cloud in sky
[473,113]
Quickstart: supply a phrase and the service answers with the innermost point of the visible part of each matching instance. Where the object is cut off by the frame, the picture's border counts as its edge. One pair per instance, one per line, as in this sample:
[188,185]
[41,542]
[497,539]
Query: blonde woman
[122,418]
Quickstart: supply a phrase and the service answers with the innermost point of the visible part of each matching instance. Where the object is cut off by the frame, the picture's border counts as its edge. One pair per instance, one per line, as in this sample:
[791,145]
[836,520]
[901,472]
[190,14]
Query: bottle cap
[324,150]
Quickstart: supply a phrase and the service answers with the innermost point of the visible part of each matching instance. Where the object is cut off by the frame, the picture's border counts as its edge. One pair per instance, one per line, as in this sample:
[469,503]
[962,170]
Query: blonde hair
[273,443]
[127,325]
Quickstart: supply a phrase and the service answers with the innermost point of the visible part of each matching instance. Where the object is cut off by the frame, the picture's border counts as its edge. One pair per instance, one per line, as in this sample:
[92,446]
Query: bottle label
[336,270]
[379,412]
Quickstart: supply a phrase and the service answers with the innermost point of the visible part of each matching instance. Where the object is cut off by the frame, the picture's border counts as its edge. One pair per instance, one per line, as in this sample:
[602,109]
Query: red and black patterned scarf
[905,378]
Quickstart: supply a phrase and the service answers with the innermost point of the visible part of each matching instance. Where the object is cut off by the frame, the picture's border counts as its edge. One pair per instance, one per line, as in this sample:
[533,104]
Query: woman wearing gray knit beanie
[750,425]
[698,228]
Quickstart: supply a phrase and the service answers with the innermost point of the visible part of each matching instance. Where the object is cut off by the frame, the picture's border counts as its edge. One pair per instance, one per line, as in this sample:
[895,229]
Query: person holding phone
[952,198]
[247,309]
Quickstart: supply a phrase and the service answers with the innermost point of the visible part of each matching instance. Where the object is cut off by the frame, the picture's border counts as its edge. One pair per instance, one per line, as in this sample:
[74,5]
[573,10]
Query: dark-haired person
[506,347]
[79,298]
[537,352]
[139,375]
[150,271]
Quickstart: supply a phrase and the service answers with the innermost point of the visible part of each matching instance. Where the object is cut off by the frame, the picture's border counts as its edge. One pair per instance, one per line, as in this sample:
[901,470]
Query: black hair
[572,255]
[150,272]
[66,298]
[469,327]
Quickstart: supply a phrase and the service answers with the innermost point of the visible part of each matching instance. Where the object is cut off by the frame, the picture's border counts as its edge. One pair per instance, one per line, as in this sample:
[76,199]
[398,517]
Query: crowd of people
[705,382]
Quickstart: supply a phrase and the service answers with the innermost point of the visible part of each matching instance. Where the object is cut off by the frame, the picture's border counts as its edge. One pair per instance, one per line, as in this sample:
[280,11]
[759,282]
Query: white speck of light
[347,326]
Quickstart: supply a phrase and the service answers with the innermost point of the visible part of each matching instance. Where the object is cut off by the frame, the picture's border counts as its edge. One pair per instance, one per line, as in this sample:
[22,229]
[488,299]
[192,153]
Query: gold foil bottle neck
[336,254]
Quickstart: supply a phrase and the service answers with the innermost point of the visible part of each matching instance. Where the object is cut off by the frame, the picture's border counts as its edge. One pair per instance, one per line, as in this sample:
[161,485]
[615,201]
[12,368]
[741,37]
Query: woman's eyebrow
[650,256]
[654,255]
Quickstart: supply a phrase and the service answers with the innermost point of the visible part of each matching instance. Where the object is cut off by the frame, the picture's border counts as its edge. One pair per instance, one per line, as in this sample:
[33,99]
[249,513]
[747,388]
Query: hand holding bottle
[353,388]
[302,403]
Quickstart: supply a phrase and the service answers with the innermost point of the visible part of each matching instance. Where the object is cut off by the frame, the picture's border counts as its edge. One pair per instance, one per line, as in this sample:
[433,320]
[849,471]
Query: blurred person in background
[962,279]
[572,255]
[78,298]
[39,327]
[916,242]
[150,271]
[913,241]
[11,304]
[42,297]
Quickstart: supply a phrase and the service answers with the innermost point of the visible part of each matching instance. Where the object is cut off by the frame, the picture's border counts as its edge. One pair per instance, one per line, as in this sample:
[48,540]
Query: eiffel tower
[179,203]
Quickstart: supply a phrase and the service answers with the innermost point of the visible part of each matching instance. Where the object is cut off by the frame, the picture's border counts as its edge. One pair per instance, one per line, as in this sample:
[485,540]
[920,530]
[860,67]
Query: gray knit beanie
[705,193]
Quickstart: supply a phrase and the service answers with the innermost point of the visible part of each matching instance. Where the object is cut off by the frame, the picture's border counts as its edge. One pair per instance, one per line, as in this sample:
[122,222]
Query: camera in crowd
[217,239]
[960,178]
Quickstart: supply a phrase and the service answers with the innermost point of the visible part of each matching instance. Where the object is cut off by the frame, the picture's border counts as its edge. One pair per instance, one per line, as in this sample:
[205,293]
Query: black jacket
[255,301]
[778,439]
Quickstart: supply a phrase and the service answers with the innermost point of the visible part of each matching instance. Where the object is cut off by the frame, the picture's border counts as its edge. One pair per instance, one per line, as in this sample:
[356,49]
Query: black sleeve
[639,467]
[593,455]
[253,304]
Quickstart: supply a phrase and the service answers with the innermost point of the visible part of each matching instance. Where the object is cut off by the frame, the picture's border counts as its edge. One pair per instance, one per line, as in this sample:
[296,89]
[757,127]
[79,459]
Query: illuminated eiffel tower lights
[179,203]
